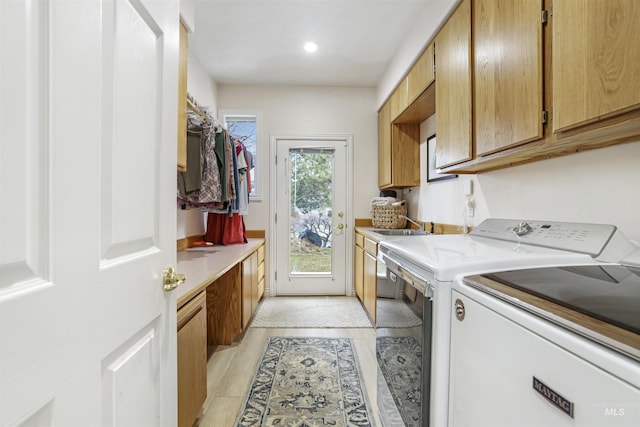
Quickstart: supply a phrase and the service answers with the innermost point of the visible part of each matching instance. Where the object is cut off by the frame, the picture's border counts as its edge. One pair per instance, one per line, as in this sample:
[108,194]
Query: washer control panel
[576,237]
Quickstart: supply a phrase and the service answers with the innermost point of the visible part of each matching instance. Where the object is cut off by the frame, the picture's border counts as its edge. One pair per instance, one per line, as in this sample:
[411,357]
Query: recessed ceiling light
[310,47]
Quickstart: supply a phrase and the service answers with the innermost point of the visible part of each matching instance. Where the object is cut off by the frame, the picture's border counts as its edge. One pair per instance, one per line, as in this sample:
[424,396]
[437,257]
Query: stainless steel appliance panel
[403,349]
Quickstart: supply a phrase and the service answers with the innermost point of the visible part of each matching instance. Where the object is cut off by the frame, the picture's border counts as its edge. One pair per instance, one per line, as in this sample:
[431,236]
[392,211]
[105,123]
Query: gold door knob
[171,279]
[340,226]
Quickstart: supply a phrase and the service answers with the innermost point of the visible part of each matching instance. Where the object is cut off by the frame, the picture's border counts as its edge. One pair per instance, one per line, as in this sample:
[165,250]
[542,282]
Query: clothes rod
[196,110]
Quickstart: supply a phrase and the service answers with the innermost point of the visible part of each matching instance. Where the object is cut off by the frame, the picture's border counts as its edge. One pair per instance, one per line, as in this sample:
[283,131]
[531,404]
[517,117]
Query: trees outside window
[245,127]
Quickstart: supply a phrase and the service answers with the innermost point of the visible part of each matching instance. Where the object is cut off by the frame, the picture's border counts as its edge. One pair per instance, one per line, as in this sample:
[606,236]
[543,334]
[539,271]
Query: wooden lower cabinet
[358,267]
[358,272]
[192,359]
[370,285]
[224,310]
[252,284]
[215,316]
[261,282]
[249,287]
[365,267]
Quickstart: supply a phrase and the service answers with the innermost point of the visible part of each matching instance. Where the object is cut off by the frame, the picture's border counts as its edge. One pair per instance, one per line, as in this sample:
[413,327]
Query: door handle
[171,279]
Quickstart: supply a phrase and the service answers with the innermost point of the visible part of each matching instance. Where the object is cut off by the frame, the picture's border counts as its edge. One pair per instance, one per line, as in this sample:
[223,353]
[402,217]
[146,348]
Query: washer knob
[522,229]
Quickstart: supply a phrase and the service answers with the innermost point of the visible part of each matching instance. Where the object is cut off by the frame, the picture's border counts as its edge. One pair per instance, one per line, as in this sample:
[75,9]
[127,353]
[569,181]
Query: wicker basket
[387,216]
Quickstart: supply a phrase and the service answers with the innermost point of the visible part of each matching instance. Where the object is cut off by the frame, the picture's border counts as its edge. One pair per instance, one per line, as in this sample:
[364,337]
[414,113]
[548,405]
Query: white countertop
[204,265]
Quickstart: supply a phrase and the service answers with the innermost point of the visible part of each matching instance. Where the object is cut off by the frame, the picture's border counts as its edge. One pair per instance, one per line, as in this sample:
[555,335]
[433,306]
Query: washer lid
[610,293]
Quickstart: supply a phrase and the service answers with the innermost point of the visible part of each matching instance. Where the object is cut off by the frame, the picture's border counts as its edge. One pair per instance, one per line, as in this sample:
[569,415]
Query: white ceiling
[261,41]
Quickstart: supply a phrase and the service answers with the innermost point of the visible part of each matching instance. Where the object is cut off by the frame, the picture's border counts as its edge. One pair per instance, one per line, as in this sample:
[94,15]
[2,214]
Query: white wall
[312,111]
[597,186]
[204,89]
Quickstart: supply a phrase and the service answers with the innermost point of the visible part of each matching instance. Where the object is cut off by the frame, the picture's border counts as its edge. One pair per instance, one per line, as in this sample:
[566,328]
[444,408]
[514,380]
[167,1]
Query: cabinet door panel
[421,74]
[247,274]
[192,360]
[384,146]
[453,88]
[595,60]
[370,272]
[358,272]
[399,99]
[249,287]
[508,73]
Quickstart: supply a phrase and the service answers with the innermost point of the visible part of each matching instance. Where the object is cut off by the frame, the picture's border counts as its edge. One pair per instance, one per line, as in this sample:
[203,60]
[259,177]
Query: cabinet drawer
[360,240]
[260,289]
[191,309]
[261,271]
[261,254]
[371,246]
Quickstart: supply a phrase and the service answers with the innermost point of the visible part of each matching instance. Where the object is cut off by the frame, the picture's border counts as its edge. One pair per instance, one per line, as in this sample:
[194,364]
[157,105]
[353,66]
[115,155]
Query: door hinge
[275,276]
[276,219]
[545,117]
[545,16]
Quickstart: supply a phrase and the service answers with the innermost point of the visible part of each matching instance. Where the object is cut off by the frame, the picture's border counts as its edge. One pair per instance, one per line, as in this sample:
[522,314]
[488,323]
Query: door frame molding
[348,221]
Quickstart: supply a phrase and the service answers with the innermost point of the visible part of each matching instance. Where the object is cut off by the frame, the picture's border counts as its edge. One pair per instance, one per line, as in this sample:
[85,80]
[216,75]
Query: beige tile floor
[231,368]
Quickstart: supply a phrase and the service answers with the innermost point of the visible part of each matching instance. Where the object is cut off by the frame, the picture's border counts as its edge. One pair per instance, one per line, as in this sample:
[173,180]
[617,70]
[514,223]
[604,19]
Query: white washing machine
[432,263]
[547,347]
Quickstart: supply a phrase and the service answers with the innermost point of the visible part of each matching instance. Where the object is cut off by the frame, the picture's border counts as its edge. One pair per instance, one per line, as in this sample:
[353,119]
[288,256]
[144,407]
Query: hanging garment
[221,161]
[249,169]
[243,184]
[191,180]
[210,192]
[223,229]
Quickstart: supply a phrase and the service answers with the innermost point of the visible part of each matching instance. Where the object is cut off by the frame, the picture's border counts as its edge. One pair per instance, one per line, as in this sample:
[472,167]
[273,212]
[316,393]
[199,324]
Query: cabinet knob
[171,279]
[340,226]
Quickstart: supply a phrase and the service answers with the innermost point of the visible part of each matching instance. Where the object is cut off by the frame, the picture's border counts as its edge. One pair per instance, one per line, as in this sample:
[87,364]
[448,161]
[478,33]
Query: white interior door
[87,215]
[311,215]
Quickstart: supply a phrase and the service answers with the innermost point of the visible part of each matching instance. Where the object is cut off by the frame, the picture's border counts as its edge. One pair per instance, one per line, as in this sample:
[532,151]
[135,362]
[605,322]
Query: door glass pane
[310,211]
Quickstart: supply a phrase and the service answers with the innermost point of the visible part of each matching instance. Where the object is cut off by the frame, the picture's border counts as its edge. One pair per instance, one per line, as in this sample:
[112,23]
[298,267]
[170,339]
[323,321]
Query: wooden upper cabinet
[405,155]
[508,74]
[182,99]
[398,152]
[421,74]
[453,88]
[399,99]
[596,60]
[384,146]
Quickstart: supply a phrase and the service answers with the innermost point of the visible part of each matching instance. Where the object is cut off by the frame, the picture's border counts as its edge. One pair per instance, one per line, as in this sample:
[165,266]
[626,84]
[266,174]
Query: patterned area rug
[306,382]
[310,312]
[400,359]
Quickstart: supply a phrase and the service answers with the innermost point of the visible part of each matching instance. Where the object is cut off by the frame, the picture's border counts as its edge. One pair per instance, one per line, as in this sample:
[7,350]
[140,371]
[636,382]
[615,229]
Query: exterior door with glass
[311,216]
